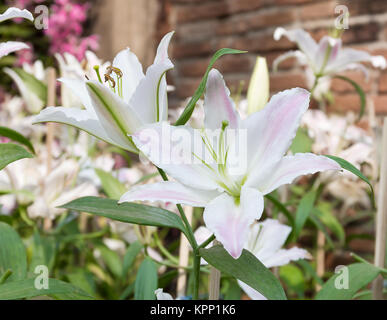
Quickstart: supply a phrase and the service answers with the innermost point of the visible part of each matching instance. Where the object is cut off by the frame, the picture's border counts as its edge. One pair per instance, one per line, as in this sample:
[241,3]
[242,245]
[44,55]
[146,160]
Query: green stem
[207,242]
[164,251]
[196,274]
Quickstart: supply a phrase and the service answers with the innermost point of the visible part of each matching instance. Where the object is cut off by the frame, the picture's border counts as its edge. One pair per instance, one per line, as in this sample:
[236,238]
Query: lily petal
[132,72]
[218,106]
[270,131]
[230,221]
[80,119]
[116,117]
[168,191]
[327,52]
[292,167]
[13,12]
[162,49]
[290,54]
[78,88]
[11,46]
[150,98]
[303,39]
[171,149]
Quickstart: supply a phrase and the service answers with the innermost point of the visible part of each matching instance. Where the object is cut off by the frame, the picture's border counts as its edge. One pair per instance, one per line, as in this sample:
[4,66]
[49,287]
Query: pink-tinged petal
[292,167]
[168,191]
[270,131]
[13,12]
[303,39]
[177,150]
[252,293]
[11,46]
[285,256]
[162,49]
[218,106]
[290,54]
[132,72]
[230,221]
[350,56]
[327,53]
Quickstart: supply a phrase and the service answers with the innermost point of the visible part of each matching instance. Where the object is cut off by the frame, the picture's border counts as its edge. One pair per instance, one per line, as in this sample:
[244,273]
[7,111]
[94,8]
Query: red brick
[286,64]
[236,63]
[196,31]
[341,86]
[318,10]
[346,102]
[283,81]
[192,49]
[187,87]
[380,102]
[286,2]
[193,68]
[202,11]
[383,82]
[247,22]
[244,5]
[262,42]
[361,33]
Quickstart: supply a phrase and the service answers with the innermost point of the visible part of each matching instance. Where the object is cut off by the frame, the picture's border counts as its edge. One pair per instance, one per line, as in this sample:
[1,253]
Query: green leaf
[324,213]
[83,280]
[293,278]
[319,225]
[246,268]
[43,252]
[202,86]
[127,212]
[33,84]
[359,91]
[359,275]
[26,289]
[351,168]
[302,143]
[303,211]
[12,254]
[16,136]
[146,281]
[11,152]
[130,255]
[111,259]
[113,188]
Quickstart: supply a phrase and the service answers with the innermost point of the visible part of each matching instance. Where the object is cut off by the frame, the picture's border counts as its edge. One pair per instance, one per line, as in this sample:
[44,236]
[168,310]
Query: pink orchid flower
[233,199]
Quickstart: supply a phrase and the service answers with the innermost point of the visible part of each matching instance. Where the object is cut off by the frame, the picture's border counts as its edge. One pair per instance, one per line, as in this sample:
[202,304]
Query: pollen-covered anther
[111,80]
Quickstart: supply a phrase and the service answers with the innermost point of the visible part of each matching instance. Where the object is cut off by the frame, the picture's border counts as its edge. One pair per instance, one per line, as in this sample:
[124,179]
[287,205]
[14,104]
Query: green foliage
[146,281]
[16,136]
[246,268]
[10,152]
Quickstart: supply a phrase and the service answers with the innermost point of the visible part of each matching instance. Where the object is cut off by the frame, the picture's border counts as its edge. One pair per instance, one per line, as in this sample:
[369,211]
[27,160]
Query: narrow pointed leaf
[304,209]
[113,188]
[13,254]
[130,256]
[127,212]
[246,268]
[146,281]
[184,117]
[33,84]
[16,136]
[351,168]
[23,289]
[359,275]
[10,152]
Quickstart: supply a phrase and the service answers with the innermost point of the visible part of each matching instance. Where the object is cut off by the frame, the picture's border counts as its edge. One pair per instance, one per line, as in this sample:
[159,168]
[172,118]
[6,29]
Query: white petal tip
[278,33]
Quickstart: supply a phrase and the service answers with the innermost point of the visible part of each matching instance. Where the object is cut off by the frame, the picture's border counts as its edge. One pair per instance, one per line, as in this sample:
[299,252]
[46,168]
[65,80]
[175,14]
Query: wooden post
[51,95]
[183,258]
[214,283]
[320,257]
[381,219]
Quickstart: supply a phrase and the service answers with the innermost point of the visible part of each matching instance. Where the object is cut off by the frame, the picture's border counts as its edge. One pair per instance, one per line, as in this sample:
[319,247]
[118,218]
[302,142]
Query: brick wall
[204,26]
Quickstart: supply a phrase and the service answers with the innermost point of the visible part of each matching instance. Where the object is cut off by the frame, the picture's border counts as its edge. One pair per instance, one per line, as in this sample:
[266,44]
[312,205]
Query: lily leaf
[350,279]
[184,117]
[10,152]
[130,256]
[351,168]
[246,268]
[127,212]
[304,209]
[16,136]
[23,289]
[113,188]
[146,281]
[33,84]
[359,91]
[13,254]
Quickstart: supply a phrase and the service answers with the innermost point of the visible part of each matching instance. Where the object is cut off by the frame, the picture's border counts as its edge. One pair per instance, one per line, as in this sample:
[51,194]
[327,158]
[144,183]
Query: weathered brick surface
[204,26]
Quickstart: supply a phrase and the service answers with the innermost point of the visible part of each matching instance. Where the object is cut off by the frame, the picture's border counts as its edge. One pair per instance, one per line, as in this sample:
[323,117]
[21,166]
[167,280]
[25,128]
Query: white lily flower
[233,199]
[161,295]
[326,57]
[265,241]
[128,100]
[12,46]
[34,99]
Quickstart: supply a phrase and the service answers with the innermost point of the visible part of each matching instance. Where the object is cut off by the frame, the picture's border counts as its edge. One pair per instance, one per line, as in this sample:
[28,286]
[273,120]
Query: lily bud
[259,87]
